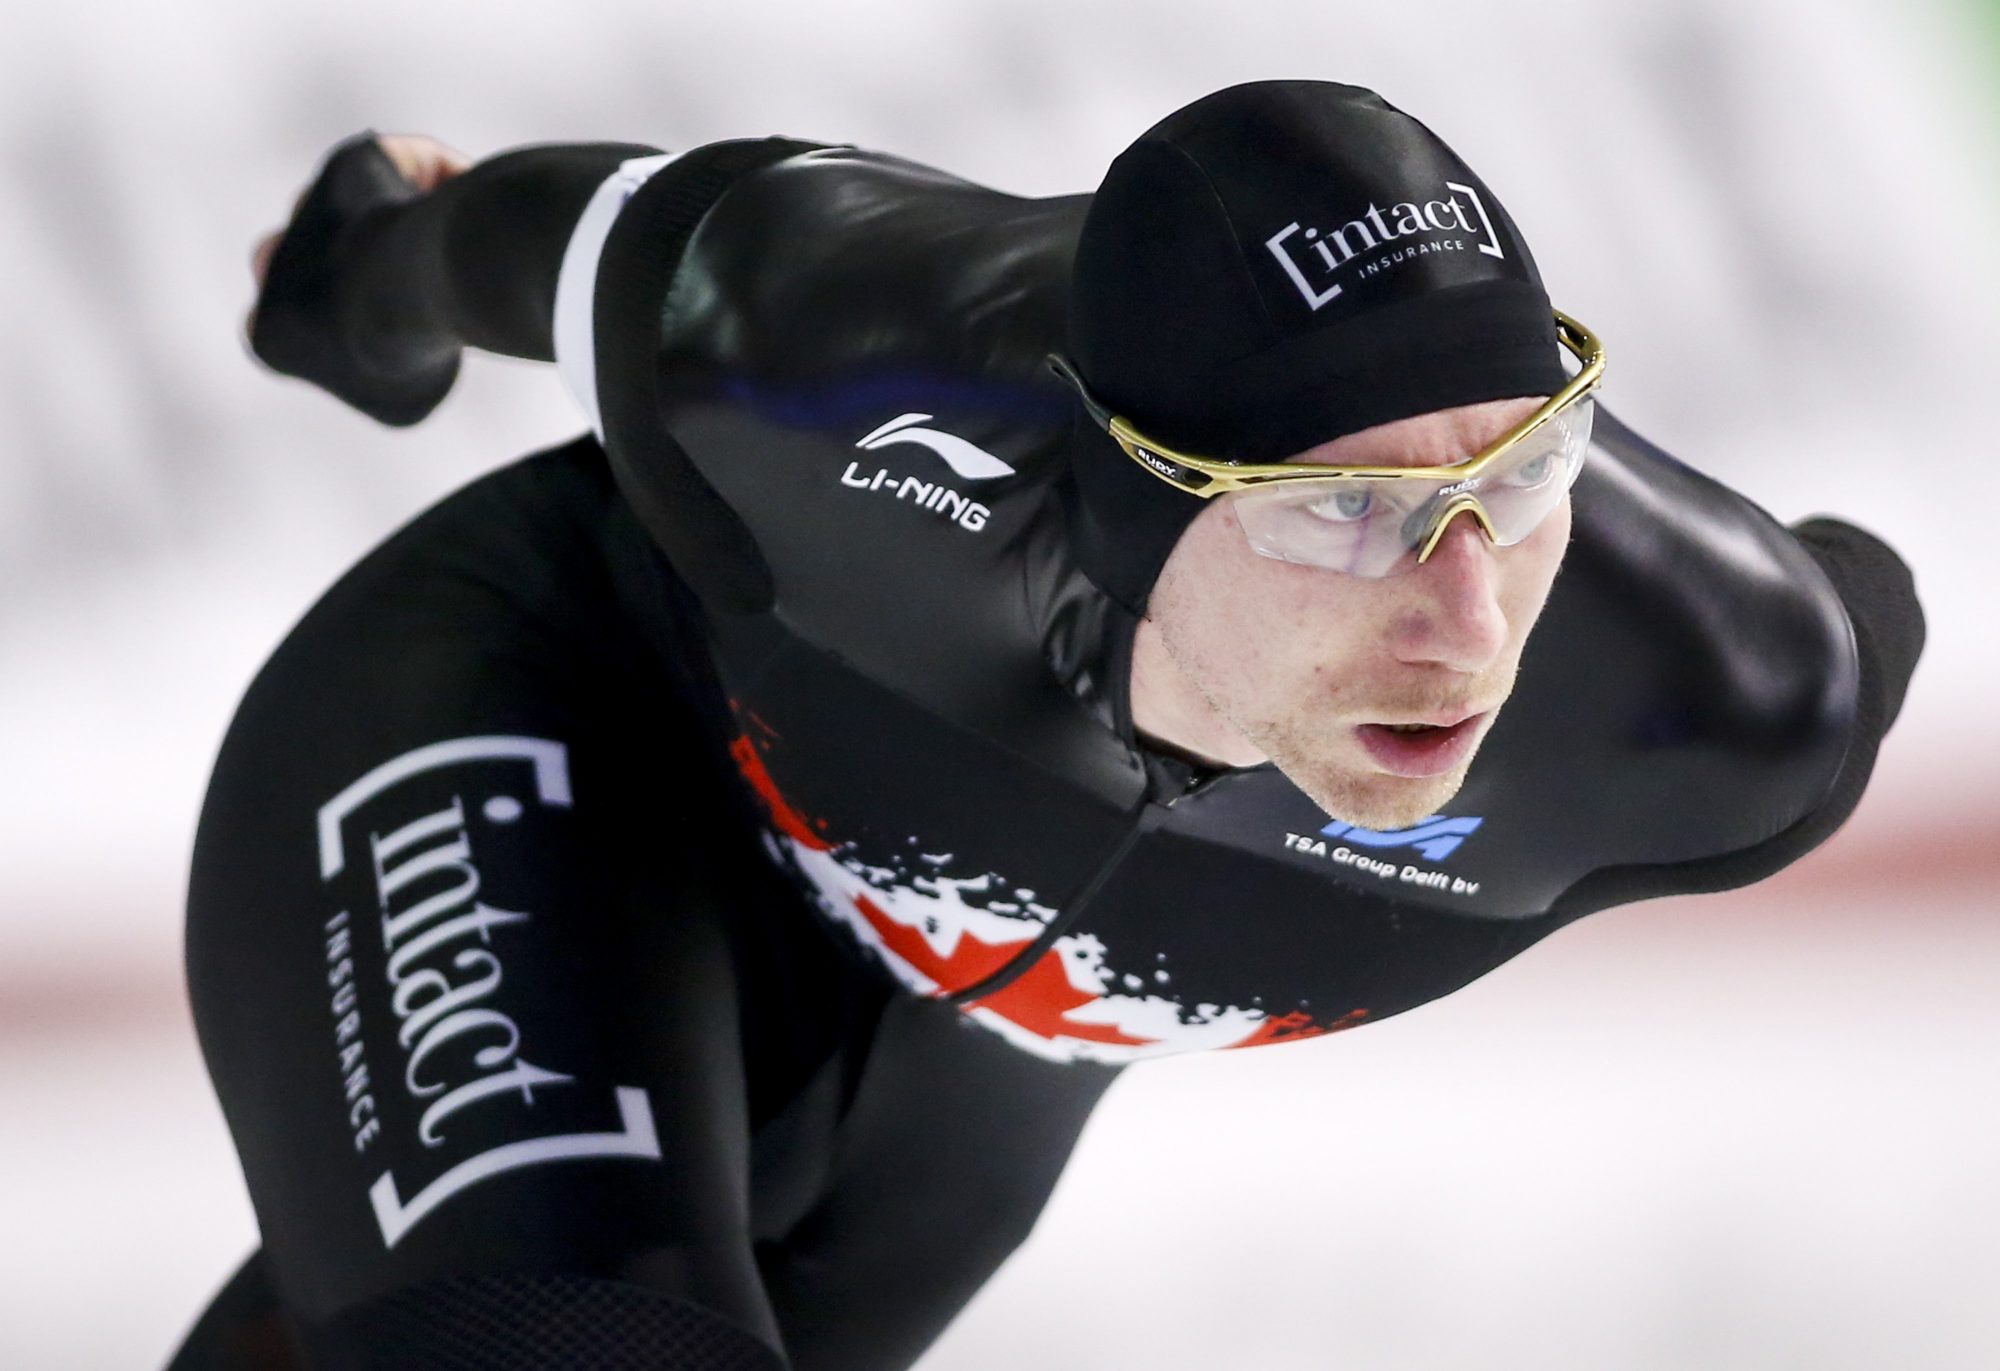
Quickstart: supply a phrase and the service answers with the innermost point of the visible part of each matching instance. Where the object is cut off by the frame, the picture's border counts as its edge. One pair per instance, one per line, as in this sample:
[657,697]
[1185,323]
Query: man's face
[1310,666]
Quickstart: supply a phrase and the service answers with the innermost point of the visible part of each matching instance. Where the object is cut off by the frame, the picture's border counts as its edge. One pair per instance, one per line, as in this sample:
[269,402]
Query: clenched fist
[338,308]
[424,163]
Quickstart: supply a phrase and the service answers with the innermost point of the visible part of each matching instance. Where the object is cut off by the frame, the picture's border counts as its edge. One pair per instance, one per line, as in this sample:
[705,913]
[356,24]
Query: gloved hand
[315,320]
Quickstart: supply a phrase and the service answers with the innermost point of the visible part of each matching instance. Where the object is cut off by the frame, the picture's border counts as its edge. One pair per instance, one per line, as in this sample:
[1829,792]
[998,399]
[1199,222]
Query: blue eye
[1534,473]
[1344,506]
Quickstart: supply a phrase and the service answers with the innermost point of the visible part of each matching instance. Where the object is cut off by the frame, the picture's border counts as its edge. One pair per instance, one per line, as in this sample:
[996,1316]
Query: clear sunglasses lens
[1351,526]
[1526,485]
[1372,526]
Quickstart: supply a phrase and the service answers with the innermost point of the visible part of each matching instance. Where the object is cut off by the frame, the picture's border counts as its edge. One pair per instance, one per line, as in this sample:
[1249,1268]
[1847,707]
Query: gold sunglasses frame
[1208,477]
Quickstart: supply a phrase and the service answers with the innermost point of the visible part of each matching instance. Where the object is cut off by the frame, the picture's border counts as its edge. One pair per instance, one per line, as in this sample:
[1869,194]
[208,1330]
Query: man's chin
[1358,792]
[1382,803]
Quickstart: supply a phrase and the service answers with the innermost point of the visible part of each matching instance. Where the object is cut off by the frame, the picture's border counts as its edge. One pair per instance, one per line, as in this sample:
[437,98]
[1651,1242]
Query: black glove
[312,310]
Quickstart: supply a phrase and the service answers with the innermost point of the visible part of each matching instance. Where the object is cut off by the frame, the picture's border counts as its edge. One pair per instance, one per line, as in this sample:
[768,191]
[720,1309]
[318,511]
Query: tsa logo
[1436,837]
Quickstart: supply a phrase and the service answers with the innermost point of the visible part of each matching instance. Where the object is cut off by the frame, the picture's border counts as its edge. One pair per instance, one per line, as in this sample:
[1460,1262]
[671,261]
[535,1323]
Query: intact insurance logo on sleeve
[1375,853]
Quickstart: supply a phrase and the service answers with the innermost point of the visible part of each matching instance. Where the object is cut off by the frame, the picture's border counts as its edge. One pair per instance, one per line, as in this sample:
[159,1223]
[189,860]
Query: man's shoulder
[851,360]
[843,256]
[1725,610]
[1692,691]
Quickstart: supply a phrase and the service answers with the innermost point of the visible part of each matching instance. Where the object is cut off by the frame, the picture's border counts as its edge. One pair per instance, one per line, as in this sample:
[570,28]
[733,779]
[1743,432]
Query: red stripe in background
[93,998]
[1945,869]
[1882,851]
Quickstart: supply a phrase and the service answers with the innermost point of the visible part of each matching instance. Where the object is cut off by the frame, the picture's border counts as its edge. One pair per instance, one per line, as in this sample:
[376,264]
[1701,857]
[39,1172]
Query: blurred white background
[1754,1130]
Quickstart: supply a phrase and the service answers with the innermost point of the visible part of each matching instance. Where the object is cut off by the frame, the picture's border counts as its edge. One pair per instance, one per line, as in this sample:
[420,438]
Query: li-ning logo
[973,463]
[423,956]
[1436,837]
[966,460]
[1373,232]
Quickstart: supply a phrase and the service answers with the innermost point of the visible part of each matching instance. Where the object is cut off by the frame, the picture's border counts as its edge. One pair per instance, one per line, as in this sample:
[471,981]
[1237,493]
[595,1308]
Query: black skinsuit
[516,824]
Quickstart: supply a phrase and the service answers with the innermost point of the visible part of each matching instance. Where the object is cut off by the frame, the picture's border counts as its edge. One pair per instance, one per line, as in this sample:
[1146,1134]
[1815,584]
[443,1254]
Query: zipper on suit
[1151,816]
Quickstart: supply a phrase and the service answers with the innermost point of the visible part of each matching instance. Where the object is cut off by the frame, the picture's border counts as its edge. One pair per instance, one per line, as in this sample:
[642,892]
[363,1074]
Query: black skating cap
[1276,265]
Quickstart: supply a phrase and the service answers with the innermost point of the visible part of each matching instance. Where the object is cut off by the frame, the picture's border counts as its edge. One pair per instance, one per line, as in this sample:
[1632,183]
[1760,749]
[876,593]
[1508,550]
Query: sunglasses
[1367,521]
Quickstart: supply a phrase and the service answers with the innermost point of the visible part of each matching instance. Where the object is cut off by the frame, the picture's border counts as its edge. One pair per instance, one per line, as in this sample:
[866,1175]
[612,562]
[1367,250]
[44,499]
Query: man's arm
[1880,597]
[1878,594]
[377,286]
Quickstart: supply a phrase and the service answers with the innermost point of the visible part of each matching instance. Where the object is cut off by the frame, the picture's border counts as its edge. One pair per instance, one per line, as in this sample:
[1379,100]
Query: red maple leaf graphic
[970,961]
[788,820]
[1040,999]
[1286,1028]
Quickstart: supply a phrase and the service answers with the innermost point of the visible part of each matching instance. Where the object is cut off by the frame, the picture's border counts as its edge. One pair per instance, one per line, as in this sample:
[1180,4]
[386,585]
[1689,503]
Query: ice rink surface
[1753,1130]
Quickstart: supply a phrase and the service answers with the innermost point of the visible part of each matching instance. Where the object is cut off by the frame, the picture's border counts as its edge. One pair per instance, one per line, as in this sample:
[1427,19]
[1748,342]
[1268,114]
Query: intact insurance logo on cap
[1322,263]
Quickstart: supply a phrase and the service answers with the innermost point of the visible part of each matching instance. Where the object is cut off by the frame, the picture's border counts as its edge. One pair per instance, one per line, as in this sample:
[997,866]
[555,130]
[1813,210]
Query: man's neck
[1168,713]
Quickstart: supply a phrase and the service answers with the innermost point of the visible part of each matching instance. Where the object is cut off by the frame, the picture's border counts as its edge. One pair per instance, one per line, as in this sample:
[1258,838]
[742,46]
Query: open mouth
[1420,749]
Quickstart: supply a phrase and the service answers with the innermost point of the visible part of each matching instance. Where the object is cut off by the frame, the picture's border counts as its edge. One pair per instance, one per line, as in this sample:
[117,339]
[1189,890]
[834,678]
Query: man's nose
[1456,620]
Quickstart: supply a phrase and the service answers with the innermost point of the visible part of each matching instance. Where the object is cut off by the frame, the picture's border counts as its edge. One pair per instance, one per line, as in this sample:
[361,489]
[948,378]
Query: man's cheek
[1528,589]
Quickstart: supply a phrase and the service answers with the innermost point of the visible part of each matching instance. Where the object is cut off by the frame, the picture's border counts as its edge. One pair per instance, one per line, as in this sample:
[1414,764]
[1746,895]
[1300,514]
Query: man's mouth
[1420,749]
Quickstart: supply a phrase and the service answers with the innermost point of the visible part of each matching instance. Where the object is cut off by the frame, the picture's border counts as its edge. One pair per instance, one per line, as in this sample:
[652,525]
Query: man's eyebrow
[1382,455]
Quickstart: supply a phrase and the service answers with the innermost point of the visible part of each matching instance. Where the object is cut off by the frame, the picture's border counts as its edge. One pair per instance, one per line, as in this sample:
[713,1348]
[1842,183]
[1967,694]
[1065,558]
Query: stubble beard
[1309,758]
[1326,762]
